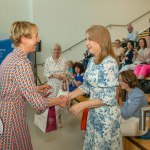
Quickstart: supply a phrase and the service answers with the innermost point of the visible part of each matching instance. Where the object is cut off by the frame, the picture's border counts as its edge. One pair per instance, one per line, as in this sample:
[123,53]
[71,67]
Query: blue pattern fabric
[103,123]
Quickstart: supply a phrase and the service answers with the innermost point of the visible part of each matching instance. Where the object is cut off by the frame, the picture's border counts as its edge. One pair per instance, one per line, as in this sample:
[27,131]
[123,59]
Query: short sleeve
[85,87]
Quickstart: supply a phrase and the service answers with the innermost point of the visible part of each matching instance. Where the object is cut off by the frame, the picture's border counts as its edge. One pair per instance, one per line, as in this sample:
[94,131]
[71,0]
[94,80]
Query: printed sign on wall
[6,47]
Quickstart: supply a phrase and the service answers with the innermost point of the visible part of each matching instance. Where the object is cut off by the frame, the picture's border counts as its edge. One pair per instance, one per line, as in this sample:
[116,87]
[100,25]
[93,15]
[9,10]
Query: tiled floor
[70,137]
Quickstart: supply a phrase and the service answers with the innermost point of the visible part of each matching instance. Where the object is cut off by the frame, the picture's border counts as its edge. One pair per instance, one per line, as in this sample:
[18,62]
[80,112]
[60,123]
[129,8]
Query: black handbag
[144,85]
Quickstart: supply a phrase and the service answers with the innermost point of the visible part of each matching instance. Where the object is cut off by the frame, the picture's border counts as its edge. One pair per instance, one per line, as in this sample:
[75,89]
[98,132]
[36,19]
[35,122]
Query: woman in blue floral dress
[100,81]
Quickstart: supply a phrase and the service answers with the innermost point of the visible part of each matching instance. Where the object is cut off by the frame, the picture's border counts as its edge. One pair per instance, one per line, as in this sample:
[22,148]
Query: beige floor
[70,137]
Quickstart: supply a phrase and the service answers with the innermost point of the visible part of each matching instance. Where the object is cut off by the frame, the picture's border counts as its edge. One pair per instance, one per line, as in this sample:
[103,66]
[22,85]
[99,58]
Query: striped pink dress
[16,87]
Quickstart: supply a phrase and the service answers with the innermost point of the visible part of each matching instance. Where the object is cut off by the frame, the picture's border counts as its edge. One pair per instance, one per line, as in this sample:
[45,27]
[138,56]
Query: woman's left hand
[75,109]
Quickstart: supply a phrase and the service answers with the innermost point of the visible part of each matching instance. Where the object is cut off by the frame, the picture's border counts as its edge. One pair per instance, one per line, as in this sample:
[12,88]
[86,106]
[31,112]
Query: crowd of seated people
[140,56]
[133,54]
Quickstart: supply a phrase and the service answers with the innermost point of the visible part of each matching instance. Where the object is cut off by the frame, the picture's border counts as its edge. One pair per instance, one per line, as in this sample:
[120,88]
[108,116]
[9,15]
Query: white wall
[12,10]
[65,21]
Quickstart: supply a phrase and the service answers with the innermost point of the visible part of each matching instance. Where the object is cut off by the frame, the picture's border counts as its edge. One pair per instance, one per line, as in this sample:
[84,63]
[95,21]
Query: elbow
[125,115]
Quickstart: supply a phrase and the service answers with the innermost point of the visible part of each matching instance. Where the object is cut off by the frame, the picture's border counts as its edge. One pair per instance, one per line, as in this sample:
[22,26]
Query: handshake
[46,90]
[62,100]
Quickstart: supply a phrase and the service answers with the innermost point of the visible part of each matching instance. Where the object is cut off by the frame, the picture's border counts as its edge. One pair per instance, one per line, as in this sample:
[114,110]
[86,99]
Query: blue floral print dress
[103,123]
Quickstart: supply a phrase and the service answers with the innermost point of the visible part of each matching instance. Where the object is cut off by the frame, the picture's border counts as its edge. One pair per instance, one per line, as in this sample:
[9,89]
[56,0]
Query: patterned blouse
[16,87]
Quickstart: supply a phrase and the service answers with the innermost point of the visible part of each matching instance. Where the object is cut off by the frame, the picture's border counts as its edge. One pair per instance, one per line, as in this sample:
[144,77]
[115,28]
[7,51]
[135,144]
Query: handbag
[51,120]
[46,121]
[144,85]
[84,119]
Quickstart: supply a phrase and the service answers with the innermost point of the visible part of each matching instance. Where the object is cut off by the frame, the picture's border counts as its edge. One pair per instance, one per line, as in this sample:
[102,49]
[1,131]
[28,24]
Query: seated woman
[140,56]
[134,99]
[128,55]
[118,50]
[142,71]
[77,80]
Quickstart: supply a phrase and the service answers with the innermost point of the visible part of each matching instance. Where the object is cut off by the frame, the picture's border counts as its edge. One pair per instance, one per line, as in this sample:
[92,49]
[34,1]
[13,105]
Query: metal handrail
[110,25]
[73,45]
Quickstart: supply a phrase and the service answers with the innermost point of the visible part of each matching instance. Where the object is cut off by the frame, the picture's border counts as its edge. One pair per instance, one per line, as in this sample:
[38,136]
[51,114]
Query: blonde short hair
[21,28]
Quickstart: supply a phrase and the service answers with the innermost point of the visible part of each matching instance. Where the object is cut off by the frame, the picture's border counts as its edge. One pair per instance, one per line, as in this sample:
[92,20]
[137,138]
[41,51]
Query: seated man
[132,36]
